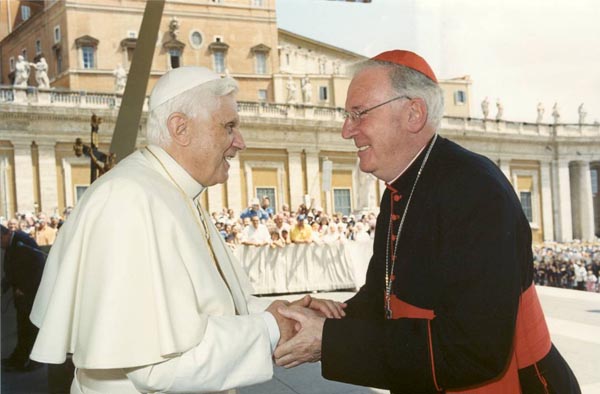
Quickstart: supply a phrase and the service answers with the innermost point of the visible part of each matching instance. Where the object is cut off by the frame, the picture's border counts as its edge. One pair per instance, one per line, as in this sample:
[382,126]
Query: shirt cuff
[272,327]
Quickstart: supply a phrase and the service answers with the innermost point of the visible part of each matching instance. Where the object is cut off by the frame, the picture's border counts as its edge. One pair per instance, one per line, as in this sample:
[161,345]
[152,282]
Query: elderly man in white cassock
[159,303]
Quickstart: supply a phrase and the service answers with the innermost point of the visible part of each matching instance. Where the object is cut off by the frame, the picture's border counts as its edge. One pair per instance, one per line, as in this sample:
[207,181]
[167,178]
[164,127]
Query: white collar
[180,176]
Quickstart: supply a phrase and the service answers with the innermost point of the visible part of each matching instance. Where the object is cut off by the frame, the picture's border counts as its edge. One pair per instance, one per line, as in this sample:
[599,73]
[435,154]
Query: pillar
[295,177]
[24,177]
[48,178]
[546,193]
[562,200]
[313,178]
[581,200]
[234,186]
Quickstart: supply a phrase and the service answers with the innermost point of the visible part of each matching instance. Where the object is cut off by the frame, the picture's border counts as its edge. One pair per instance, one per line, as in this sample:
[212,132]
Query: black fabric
[551,375]
[23,266]
[465,253]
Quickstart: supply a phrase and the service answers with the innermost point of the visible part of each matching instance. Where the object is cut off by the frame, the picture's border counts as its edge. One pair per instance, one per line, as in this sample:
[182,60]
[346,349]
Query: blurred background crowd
[574,265]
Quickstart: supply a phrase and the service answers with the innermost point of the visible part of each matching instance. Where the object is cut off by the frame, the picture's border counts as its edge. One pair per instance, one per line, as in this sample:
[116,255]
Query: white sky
[520,51]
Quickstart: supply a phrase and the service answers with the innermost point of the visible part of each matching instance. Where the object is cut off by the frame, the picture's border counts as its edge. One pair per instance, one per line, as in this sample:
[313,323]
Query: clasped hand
[301,326]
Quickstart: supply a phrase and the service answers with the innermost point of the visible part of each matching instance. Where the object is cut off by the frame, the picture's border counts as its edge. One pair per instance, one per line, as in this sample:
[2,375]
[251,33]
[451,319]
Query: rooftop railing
[10,95]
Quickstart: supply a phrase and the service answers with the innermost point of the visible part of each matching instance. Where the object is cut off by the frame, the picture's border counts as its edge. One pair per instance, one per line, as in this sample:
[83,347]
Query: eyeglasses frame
[356,116]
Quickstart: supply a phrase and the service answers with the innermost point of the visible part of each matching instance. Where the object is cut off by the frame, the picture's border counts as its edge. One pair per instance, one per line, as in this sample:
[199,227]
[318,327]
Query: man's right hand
[286,326]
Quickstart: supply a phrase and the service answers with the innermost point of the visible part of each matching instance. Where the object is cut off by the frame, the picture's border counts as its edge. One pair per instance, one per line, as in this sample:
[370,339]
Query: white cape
[130,280]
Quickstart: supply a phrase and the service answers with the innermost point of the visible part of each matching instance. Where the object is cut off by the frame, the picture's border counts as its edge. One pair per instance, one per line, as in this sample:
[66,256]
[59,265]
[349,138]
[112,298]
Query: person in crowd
[449,303]
[159,303]
[256,234]
[301,232]
[315,234]
[44,234]
[580,274]
[254,210]
[23,264]
[276,240]
[265,205]
[285,236]
[591,281]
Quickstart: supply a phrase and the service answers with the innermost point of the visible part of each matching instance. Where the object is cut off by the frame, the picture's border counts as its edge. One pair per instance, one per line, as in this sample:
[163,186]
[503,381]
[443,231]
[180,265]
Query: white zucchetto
[179,80]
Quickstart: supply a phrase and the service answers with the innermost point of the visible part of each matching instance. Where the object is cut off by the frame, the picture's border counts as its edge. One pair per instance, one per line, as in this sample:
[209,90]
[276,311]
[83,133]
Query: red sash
[531,343]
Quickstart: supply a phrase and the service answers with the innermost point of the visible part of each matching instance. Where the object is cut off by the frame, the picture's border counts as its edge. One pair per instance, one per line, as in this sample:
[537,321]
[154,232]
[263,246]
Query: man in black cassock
[449,303]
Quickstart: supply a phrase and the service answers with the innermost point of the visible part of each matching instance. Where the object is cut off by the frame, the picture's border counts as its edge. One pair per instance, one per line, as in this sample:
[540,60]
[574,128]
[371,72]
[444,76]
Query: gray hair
[199,101]
[405,80]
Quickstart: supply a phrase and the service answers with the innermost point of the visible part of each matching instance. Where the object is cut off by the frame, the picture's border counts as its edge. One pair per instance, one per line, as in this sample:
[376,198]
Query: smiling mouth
[363,148]
[229,157]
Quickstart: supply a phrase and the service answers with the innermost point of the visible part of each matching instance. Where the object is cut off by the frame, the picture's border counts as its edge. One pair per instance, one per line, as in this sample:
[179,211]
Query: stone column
[561,191]
[24,177]
[313,178]
[295,178]
[546,193]
[234,186]
[48,178]
[581,199]
[215,198]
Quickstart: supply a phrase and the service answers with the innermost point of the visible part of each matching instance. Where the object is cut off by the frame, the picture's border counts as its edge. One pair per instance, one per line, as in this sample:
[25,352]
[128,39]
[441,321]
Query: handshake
[301,327]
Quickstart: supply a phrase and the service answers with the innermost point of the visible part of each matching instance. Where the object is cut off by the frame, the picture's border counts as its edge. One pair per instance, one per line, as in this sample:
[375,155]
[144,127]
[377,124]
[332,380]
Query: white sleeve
[235,351]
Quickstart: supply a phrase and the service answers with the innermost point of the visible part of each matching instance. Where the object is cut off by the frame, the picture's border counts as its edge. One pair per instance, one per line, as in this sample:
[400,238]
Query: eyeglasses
[355,116]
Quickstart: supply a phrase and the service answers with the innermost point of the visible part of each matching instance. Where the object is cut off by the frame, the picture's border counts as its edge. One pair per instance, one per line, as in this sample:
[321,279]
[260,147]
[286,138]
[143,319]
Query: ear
[417,115]
[177,124]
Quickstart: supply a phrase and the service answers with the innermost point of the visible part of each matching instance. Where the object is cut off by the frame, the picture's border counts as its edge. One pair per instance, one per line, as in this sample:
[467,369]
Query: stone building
[291,89]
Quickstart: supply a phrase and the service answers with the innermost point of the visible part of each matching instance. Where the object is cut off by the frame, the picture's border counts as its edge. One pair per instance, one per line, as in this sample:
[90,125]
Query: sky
[519,51]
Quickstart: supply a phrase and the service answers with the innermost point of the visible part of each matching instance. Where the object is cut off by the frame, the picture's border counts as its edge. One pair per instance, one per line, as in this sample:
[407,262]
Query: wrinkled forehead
[369,83]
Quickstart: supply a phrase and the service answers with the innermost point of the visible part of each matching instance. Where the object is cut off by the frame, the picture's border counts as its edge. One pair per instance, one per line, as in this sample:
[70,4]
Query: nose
[238,140]
[348,129]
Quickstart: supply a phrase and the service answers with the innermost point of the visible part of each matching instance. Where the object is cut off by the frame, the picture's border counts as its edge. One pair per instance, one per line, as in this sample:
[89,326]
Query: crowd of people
[573,266]
[259,225]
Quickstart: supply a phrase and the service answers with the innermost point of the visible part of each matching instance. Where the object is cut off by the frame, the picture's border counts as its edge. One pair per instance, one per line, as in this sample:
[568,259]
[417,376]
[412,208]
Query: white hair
[196,102]
[405,80]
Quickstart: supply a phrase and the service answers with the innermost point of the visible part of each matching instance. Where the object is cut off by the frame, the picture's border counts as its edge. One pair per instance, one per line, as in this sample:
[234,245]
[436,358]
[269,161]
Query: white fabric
[131,282]
[306,267]
[256,235]
[179,80]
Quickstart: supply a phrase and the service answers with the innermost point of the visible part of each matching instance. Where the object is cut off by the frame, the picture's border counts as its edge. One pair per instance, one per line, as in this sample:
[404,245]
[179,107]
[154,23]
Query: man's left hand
[305,346]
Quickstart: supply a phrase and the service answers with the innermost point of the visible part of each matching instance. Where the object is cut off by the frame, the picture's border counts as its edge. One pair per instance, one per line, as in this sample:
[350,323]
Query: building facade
[291,92]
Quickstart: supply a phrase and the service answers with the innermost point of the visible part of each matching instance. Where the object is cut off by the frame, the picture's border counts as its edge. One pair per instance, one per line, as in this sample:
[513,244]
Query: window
[88,57]
[25,12]
[175,58]
[262,95]
[56,34]
[219,58]
[323,93]
[261,62]
[196,39]
[11,63]
[269,192]
[341,201]
[526,204]
[79,190]
[38,47]
[287,59]
[460,97]
[594,176]
[58,55]
[257,3]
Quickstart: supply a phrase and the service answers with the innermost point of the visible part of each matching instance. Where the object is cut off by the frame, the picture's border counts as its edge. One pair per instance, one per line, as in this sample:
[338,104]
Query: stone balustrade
[64,98]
